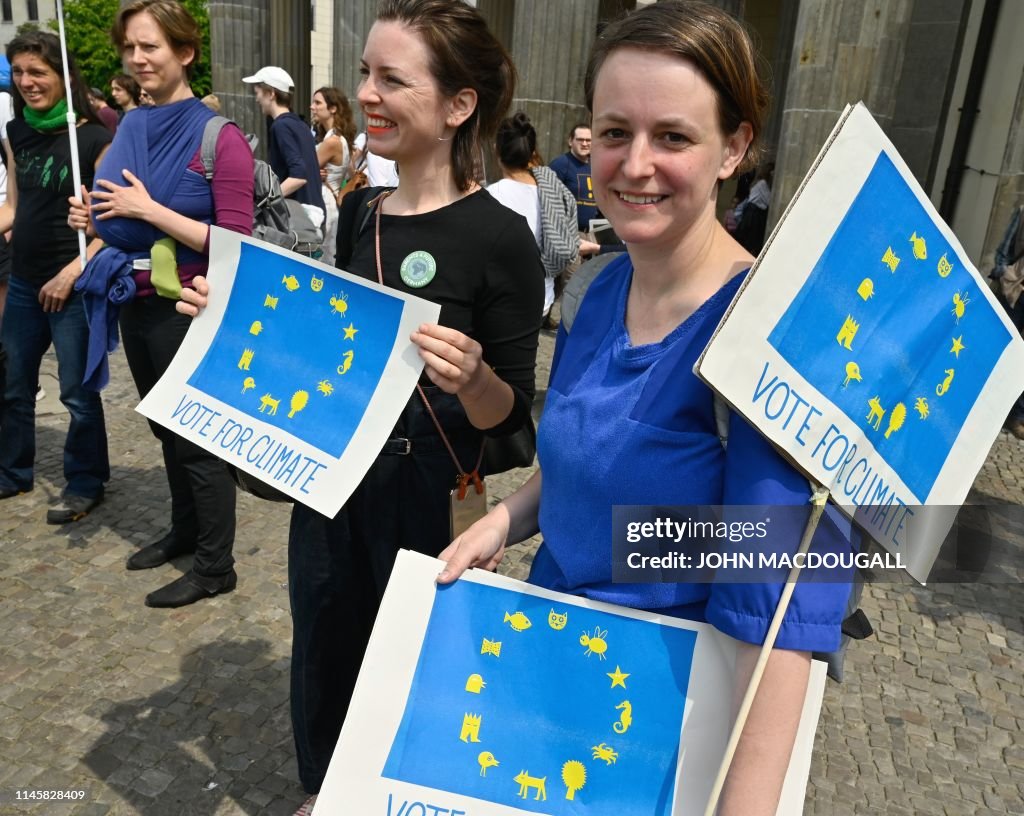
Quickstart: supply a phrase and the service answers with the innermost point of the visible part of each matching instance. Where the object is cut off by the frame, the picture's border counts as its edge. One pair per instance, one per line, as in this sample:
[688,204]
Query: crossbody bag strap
[464,477]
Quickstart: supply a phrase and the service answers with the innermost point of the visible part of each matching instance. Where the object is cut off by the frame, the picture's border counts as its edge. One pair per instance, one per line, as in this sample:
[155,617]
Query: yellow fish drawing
[920,247]
[291,283]
[518,621]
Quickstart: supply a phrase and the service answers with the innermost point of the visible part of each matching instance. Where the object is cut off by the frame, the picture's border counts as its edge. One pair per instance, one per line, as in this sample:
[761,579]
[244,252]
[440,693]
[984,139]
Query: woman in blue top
[677,108]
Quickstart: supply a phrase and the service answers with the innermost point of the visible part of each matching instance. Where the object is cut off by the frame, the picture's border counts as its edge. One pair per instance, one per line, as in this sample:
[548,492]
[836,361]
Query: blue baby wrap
[156,145]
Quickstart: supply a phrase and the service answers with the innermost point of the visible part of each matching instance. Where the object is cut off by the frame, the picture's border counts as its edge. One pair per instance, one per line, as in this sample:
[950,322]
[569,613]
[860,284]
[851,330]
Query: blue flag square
[892,328]
[298,351]
[561,710]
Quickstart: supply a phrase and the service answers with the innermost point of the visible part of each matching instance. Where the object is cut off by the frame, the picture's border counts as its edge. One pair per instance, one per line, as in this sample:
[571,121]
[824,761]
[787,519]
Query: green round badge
[418,269]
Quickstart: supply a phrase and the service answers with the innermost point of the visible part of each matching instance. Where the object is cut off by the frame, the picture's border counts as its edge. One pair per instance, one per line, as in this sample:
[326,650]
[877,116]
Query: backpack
[856,625]
[277,220]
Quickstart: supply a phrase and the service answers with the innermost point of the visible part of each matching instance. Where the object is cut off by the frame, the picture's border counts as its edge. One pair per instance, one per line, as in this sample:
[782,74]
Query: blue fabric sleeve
[756,474]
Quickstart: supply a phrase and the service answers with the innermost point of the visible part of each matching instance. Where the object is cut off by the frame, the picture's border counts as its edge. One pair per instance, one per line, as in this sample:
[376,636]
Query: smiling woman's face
[39,85]
[659,151]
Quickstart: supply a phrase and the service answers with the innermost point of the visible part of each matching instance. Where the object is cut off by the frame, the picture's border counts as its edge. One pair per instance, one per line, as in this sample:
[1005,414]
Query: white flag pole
[76,172]
[818,500]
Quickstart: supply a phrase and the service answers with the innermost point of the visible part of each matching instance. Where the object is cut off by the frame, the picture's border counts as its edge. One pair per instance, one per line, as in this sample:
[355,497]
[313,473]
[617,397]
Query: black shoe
[190,588]
[72,508]
[160,552]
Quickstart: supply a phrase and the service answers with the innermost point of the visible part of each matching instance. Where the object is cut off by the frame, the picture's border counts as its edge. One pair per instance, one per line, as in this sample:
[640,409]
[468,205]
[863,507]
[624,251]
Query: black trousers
[202,491]
[338,569]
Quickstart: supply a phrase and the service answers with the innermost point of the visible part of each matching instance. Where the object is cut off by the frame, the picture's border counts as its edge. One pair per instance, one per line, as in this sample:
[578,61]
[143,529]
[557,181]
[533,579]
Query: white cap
[275,77]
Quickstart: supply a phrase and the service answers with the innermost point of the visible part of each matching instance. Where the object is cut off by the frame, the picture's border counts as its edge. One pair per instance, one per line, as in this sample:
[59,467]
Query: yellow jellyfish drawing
[526,782]
[618,677]
[557,621]
[339,303]
[876,413]
[921,406]
[247,384]
[347,364]
[574,777]
[316,284]
[255,328]
[958,346]
[485,759]
[852,373]
[266,401]
[491,647]
[847,332]
[944,267]
[920,248]
[896,418]
[605,753]
[595,643]
[470,728]
[890,259]
[475,683]
[350,332]
[943,386]
[246,359]
[621,726]
[866,289]
[270,302]
[291,283]
[960,301]
[519,622]
[298,402]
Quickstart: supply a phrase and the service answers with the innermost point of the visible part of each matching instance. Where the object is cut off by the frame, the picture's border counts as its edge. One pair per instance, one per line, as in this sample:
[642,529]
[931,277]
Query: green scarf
[53,119]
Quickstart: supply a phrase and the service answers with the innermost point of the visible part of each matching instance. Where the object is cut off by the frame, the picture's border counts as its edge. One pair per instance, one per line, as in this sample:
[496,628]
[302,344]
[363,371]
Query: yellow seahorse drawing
[625,718]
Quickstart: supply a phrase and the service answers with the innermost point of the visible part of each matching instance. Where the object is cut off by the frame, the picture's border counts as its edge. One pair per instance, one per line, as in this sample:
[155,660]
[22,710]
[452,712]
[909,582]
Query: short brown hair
[178,26]
[464,54]
[710,39]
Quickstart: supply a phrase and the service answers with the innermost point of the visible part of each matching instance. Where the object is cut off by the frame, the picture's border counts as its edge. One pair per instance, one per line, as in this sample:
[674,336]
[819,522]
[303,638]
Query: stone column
[238,38]
[1010,184]
[844,51]
[288,46]
[551,43]
[352,21]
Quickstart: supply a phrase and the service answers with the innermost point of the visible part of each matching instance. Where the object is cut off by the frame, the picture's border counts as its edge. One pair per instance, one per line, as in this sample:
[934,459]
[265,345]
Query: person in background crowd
[677,106]
[536,193]
[155,220]
[573,168]
[145,100]
[107,115]
[125,92]
[435,82]
[335,129]
[291,151]
[42,307]
[752,214]
[380,172]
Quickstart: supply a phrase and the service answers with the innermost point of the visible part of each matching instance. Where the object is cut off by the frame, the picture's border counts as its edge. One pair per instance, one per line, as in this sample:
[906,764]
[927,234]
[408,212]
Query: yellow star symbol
[958,346]
[350,332]
[618,678]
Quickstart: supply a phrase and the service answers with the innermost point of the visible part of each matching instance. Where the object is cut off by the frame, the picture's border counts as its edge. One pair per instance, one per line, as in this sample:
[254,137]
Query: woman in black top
[443,238]
[42,306]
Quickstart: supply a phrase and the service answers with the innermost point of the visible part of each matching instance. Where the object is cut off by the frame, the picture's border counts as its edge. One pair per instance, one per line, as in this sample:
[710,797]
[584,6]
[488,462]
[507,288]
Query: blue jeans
[26,334]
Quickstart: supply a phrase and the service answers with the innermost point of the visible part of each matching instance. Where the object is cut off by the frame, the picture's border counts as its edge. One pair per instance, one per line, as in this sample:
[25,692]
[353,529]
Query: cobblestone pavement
[186,712]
